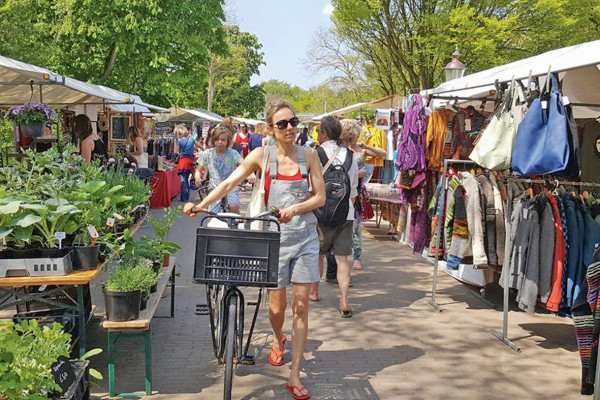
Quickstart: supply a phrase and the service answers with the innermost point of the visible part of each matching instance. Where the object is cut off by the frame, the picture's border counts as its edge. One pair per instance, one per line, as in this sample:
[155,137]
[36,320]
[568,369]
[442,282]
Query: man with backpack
[340,173]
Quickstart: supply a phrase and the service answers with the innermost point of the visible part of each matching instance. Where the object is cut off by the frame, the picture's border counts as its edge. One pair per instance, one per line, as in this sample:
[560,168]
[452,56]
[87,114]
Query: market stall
[497,171]
[165,186]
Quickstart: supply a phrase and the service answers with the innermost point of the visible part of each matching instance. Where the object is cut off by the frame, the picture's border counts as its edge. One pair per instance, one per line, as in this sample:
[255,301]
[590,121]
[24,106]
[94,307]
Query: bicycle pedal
[202,309]
[248,360]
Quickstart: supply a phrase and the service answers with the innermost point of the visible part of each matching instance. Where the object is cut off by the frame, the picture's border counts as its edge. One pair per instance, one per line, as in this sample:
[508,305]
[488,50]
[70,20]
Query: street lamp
[455,68]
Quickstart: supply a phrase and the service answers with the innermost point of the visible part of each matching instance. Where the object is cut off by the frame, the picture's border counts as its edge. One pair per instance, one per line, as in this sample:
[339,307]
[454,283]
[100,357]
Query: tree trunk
[211,83]
[109,65]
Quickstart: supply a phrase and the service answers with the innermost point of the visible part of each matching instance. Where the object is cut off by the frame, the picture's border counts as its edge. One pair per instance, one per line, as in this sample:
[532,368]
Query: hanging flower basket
[31,118]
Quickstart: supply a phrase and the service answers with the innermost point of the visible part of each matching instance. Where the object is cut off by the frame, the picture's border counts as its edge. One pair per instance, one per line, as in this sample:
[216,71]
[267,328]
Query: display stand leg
[481,297]
[438,230]
[503,337]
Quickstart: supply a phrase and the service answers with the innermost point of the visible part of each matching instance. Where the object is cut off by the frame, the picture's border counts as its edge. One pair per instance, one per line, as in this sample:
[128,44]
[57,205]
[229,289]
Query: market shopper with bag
[286,171]
[340,173]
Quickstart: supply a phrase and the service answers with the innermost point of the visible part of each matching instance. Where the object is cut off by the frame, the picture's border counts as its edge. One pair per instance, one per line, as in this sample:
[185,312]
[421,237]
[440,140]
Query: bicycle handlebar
[266,216]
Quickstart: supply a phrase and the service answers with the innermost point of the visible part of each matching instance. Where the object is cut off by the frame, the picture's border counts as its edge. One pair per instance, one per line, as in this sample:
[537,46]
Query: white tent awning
[248,121]
[180,113]
[129,108]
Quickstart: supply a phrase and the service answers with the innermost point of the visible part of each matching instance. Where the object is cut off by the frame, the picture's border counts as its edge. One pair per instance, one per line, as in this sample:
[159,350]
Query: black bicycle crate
[237,257]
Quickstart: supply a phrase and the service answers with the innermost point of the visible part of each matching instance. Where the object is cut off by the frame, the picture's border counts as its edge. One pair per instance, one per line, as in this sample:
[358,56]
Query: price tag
[110,222]
[137,208]
[60,236]
[544,105]
[566,101]
[468,125]
[119,217]
[63,373]
[92,231]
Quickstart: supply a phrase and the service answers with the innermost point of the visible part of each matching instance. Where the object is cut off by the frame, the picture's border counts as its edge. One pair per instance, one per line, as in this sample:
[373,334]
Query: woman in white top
[140,145]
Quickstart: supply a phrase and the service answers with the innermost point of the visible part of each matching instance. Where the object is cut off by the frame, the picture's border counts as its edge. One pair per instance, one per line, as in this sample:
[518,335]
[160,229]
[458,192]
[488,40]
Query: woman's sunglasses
[284,123]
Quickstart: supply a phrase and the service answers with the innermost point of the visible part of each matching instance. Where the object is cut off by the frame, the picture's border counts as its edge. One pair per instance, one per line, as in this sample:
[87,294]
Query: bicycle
[226,259]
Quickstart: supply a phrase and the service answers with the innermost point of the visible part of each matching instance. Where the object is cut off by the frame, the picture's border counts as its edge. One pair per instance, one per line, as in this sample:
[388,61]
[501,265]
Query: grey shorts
[299,256]
[337,239]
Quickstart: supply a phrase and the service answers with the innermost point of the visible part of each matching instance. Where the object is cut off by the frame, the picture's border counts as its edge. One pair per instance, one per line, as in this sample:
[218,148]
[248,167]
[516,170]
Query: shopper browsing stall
[185,144]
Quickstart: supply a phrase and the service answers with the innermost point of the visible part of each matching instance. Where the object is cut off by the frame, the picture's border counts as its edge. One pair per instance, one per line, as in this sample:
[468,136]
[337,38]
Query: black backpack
[337,191]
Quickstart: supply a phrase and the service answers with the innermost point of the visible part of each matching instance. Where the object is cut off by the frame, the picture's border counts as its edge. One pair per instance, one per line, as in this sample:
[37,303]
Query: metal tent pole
[438,230]
[503,337]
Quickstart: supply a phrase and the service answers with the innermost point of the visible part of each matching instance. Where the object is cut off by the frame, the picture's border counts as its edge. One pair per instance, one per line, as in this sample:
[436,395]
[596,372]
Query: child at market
[219,162]
[185,144]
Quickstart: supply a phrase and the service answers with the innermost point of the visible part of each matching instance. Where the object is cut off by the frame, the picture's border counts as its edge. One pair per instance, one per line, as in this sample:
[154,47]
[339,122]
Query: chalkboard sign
[63,373]
[119,127]
[164,128]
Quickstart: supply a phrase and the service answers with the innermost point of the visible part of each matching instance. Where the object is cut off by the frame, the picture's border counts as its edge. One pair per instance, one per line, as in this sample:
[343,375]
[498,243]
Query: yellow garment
[373,137]
[437,128]
[314,134]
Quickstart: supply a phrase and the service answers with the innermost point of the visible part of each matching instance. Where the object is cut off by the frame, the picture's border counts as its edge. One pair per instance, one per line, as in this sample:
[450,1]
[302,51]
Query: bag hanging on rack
[257,199]
[542,143]
[494,147]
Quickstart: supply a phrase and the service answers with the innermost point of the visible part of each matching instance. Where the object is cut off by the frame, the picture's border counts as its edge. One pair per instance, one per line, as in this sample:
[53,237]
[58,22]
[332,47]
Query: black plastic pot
[153,288]
[26,253]
[54,253]
[156,266]
[85,257]
[6,254]
[143,304]
[122,306]
[120,228]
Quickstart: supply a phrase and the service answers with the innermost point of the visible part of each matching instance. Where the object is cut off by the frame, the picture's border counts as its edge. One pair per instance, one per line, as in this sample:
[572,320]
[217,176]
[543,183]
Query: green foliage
[163,226]
[231,75]
[27,353]
[158,49]
[408,43]
[133,274]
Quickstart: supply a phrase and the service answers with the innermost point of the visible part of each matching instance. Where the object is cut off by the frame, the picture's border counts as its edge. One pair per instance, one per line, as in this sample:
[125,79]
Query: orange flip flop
[274,356]
[291,389]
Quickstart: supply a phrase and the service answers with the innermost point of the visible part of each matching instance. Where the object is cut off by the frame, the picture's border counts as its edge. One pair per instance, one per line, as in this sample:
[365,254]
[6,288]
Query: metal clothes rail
[503,336]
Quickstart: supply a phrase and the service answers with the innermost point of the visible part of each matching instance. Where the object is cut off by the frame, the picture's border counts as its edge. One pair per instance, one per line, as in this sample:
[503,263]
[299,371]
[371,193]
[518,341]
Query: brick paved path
[395,347]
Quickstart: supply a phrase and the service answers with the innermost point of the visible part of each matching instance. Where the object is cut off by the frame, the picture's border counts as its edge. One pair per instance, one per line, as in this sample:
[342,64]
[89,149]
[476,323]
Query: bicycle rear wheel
[229,347]
[214,295]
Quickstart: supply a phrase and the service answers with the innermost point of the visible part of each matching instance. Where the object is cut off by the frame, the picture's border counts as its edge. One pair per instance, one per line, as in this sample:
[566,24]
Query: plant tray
[59,263]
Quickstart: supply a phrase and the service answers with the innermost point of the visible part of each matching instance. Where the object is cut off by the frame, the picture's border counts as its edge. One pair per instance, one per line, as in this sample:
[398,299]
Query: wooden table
[140,328]
[77,279]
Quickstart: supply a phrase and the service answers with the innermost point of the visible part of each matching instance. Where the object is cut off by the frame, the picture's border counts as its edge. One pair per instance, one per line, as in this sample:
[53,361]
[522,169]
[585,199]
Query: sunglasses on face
[284,123]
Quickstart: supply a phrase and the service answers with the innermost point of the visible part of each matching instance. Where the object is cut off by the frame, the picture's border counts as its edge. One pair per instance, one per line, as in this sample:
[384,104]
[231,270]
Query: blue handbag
[542,143]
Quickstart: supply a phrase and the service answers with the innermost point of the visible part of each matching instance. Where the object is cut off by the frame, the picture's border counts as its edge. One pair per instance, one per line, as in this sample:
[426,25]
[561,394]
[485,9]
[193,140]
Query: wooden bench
[140,328]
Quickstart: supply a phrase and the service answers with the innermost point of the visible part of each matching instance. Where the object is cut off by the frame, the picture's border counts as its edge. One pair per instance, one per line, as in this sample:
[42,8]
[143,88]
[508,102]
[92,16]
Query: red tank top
[296,177]
[244,142]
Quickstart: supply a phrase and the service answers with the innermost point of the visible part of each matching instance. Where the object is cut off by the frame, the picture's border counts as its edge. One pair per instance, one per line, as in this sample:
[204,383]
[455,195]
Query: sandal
[292,388]
[345,314]
[274,356]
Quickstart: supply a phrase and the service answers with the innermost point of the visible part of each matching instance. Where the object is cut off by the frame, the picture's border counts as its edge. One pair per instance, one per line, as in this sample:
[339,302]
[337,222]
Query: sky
[285,28]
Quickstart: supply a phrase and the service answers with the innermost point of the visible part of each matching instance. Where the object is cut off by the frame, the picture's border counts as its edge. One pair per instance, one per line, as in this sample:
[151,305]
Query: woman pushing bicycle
[290,169]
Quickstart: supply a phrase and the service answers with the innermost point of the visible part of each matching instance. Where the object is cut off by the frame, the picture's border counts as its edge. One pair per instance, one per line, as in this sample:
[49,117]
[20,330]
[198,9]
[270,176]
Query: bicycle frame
[233,293]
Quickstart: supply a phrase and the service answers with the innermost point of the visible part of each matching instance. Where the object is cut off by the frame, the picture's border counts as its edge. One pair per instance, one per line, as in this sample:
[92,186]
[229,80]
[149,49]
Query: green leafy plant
[27,352]
[133,274]
[94,373]
[162,226]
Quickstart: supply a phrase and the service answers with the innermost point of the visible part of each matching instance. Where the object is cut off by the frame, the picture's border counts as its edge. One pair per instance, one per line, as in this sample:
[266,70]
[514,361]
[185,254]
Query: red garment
[244,142]
[165,186]
[560,250]
[296,177]
[185,163]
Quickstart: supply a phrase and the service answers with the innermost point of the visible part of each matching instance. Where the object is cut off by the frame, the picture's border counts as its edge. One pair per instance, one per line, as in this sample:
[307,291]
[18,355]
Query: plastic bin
[236,257]
[58,262]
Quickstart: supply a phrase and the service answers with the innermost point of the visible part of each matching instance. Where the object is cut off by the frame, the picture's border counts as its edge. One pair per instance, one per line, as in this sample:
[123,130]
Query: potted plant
[27,352]
[31,118]
[143,272]
[162,227]
[86,253]
[122,295]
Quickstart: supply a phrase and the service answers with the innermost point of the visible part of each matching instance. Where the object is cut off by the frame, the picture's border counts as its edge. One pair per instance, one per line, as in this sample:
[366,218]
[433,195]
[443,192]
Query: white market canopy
[578,68]
[182,114]
[248,121]
[391,101]
[22,83]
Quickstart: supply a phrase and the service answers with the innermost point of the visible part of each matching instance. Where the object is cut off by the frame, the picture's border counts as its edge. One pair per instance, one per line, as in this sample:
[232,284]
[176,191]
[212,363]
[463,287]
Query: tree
[229,91]
[408,42]
[158,49]
[276,90]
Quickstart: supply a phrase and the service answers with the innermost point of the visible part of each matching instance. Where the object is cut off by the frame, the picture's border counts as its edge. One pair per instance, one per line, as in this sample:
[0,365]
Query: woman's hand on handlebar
[286,214]
[190,209]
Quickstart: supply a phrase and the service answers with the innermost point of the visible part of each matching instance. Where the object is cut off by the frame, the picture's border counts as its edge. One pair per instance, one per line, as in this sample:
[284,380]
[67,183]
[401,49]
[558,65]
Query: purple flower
[30,113]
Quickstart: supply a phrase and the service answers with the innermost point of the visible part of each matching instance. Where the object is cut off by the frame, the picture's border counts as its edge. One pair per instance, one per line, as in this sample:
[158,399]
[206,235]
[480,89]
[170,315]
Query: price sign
[92,231]
[63,373]
[60,236]
[119,217]
[110,222]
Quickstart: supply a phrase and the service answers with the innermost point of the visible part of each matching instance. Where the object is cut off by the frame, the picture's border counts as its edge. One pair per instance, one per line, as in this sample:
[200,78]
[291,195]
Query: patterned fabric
[563,218]
[220,166]
[449,218]
[460,231]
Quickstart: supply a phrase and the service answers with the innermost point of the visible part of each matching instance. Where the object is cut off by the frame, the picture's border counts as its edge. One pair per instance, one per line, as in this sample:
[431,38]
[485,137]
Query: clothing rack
[441,216]
[503,336]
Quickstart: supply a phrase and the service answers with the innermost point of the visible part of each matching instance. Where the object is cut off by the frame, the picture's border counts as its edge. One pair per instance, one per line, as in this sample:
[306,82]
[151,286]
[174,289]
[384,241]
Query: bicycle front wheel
[229,347]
